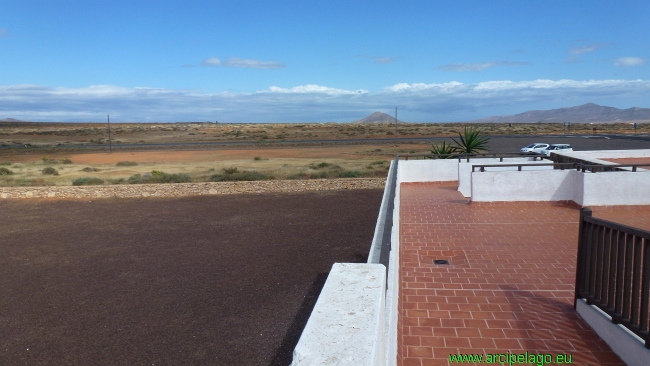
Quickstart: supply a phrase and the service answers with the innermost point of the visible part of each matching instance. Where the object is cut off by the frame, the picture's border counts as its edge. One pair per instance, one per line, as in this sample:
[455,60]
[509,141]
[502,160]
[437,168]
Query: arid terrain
[38,154]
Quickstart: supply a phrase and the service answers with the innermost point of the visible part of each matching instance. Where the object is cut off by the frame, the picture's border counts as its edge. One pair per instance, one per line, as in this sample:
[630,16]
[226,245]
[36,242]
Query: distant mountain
[589,112]
[377,117]
[11,120]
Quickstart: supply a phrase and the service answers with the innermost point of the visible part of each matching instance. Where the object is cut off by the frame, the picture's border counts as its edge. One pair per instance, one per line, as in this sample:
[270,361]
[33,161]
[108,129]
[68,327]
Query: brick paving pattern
[630,161]
[509,285]
[635,216]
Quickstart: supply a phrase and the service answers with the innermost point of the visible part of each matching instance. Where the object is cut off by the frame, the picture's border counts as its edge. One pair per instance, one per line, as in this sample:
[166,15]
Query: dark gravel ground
[225,280]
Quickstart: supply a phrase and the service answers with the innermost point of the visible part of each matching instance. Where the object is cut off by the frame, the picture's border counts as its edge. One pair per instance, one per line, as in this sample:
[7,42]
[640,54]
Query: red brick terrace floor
[635,216]
[509,287]
[630,161]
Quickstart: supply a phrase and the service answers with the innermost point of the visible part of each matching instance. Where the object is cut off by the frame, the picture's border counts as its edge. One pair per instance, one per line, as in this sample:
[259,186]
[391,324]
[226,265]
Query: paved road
[225,280]
[505,144]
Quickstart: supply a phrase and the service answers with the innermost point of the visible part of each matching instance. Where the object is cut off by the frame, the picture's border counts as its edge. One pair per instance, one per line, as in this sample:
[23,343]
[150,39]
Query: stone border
[191,189]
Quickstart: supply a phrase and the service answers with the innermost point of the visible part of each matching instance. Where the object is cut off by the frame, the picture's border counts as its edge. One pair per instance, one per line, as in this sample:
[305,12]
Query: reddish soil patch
[225,280]
[175,156]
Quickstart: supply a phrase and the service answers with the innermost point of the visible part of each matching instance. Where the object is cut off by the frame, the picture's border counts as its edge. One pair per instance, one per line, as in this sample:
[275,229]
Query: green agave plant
[443,151]
[472,141]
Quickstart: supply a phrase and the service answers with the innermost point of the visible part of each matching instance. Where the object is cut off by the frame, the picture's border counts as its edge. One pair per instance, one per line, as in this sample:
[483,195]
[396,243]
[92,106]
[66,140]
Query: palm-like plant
[443,151]
[472,141]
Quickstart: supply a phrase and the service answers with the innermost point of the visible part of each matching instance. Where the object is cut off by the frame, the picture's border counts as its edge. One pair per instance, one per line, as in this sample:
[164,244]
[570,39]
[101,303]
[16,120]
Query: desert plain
[42,154]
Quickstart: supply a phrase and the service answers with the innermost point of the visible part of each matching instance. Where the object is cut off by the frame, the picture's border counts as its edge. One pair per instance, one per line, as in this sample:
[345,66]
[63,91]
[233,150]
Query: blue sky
[317,61]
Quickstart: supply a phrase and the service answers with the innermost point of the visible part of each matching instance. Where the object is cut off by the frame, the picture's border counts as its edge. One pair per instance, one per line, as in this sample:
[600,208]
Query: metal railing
[613,271]
[594,168]
[460,157]
[561,166]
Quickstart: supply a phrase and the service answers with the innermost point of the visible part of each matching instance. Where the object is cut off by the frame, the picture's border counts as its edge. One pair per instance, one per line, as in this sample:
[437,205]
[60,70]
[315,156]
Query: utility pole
[396,125]
[110,143]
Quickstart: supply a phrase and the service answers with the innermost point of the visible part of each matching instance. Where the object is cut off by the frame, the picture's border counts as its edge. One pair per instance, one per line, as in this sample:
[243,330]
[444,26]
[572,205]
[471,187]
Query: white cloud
[479,66]
[446,101]
[578,51]
[378,59]
[420,87]
[630,61]
[241,62]
[563,84]
[3,33]
[213,61]
[254,64]
[382,60]
[311,88]
[505,87]
[188,65]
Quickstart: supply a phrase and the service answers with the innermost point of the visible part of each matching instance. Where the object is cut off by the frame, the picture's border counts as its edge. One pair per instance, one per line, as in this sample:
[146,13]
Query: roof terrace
[481,257]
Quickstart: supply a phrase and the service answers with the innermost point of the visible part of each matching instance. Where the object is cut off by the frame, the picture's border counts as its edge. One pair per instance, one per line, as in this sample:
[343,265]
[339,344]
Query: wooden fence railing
[613,271]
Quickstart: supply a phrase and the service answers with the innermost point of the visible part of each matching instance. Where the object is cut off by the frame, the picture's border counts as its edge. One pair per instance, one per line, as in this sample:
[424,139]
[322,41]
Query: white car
[557,148]
[536,147]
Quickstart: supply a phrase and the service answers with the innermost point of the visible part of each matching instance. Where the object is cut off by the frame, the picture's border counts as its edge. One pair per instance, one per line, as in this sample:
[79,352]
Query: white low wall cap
[345,327]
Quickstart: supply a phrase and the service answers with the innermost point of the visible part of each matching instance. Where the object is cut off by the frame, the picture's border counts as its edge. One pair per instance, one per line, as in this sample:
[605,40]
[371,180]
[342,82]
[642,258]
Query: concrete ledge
[346,326]
[624,343]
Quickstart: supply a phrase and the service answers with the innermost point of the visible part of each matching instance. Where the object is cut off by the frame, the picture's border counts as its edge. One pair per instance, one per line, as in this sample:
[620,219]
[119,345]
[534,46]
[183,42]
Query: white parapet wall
[465,169]
[346,326]
[393,282]
[616,188]
[375,247]
[585,189]
[440,170]
[625,344]
[532,185]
